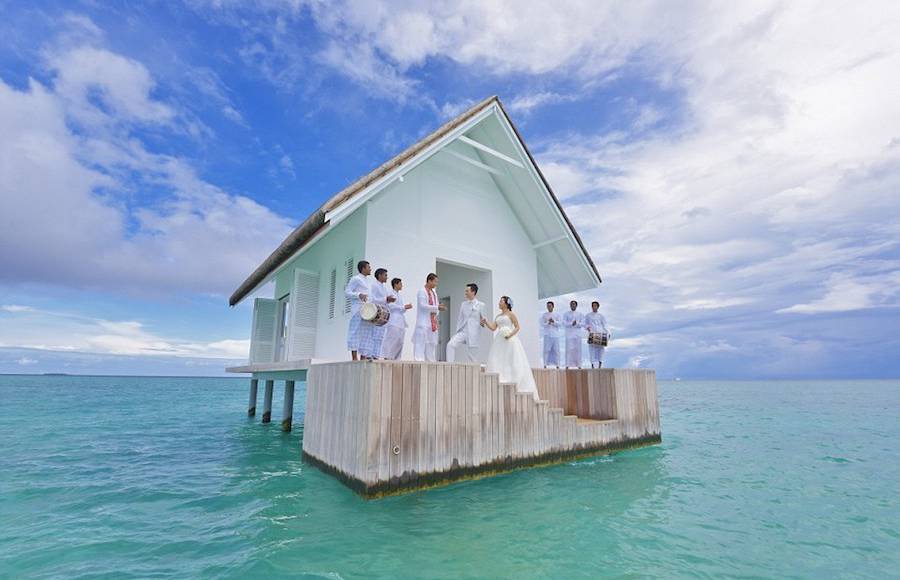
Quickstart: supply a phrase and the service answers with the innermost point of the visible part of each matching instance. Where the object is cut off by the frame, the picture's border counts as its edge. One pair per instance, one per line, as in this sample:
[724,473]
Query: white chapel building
[467,202]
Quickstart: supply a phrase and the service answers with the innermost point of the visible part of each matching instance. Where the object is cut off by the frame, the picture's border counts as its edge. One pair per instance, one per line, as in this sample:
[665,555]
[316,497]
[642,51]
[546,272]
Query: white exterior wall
[450,211]
[345,240]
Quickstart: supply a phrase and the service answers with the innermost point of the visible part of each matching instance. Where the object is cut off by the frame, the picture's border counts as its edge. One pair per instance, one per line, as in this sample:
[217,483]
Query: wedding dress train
[508,359]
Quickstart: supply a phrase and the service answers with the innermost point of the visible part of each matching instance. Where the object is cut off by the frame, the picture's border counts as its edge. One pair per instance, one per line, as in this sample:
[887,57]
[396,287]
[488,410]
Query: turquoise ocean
[123,477]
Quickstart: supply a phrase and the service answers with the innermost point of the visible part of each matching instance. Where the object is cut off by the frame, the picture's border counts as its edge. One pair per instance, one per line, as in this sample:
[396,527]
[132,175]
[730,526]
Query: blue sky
[734,170]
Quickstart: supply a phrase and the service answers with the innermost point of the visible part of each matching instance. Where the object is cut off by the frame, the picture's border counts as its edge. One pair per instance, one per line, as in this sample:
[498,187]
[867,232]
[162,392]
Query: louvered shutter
[304,314]
[348,265]
[332,292]
[262,338]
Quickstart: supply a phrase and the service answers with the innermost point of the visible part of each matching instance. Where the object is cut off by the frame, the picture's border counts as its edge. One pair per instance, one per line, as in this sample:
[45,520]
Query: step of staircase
[582,421]
[556,410]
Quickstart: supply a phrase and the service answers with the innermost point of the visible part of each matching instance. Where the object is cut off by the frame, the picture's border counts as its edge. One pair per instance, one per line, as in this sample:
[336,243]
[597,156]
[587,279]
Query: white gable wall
[448,210]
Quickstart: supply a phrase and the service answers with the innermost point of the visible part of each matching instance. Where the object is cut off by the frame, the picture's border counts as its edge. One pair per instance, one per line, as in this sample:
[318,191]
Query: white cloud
[287,164]
[362,65]
[74,202]
[524,104]
[454,109]
[124,87]
[380,44]
[210,85]
[636,361]
[710,303]
[25,361]
[67,332]
[15,308]
[785,170]
[846,294]
[527,37]
[647,116]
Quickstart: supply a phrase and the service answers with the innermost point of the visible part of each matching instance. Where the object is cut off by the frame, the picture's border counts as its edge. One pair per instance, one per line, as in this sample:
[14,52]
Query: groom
[468,327]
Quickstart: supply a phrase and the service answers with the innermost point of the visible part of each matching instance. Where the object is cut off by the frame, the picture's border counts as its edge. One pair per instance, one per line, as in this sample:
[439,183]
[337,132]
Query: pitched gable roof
[318,220]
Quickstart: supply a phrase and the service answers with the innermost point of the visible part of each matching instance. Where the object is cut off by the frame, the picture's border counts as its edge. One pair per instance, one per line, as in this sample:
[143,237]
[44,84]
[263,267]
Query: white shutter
[332,293]
[304,314]
[348,265]
[262,338]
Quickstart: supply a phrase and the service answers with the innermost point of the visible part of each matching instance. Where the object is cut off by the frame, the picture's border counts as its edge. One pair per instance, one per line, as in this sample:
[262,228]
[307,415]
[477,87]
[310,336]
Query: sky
[733,168]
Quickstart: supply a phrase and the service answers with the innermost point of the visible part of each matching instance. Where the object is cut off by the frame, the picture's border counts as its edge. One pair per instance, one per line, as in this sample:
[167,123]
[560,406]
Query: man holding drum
[598,334]
[374,317]
[357,291]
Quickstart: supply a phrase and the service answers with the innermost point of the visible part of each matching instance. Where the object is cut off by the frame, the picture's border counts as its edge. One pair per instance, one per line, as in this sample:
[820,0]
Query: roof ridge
[398,159]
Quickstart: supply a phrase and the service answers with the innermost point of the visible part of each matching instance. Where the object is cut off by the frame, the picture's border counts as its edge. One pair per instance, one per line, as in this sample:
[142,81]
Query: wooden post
[251,406]
[267,402]
[287,415]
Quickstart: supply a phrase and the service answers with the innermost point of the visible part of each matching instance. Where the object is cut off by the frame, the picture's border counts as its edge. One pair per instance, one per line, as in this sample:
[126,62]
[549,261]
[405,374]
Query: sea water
[166,477]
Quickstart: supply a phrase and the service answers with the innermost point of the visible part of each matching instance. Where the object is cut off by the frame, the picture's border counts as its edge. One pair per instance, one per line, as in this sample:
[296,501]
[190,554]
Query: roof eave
[282,253]
[559,206]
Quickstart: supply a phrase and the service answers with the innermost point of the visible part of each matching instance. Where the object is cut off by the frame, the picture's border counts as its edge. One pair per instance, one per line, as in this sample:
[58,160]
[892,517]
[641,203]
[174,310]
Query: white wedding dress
[508,359]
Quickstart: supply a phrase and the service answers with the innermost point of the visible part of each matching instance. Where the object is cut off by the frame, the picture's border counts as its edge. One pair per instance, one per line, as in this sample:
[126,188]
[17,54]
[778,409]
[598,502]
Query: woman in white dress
[507,357]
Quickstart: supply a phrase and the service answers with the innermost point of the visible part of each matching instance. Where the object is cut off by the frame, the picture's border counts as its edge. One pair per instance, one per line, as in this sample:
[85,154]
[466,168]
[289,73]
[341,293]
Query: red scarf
[432,299]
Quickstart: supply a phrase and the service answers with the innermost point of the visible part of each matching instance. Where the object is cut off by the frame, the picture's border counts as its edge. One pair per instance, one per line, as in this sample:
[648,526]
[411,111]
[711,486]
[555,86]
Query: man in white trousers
[371,336]
[573,322]
[394,335]
[425,337]
[357,291]
[596,322]
[464,344]
[550,323]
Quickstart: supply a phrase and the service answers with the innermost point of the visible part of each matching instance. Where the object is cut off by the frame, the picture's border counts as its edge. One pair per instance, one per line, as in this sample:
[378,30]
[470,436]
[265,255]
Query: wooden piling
[267,402]
[251,406]
[287,412]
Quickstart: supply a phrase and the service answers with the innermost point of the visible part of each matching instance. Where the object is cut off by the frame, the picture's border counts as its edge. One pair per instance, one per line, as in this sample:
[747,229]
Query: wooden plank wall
[383,426]
[585,393]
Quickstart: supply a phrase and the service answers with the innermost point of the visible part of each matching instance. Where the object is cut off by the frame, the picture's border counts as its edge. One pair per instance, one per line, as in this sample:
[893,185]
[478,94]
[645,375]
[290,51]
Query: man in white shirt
[468,327]
[370,334]
[357,291]
[550,323]
[395,333]
[425,337]
[572,323]
[596,322]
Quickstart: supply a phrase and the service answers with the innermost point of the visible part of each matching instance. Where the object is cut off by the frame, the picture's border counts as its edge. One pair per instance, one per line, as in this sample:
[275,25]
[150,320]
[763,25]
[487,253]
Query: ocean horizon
[111,476]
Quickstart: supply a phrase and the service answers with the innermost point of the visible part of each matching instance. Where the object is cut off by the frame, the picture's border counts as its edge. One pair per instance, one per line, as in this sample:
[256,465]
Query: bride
[507,357]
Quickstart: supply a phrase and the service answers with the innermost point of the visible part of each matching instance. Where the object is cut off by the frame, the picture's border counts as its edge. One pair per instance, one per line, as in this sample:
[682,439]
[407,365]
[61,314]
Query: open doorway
[453,279]
[444,331]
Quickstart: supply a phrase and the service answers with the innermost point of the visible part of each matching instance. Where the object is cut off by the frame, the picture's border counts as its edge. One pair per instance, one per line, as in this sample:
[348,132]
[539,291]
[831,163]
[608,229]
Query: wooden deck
[294,370]
[385,427]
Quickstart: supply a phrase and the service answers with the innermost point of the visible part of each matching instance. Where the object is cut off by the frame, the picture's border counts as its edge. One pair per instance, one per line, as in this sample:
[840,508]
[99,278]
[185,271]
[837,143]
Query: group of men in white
[369,340]
[577,327]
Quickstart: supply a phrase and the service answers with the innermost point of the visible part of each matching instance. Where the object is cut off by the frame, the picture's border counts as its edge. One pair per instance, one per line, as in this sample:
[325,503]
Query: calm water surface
[160,477]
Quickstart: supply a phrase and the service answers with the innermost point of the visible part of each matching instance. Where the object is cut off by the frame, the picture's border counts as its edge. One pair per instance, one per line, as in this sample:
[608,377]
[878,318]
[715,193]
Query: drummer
[596,322]
[357,291]
[372,335]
